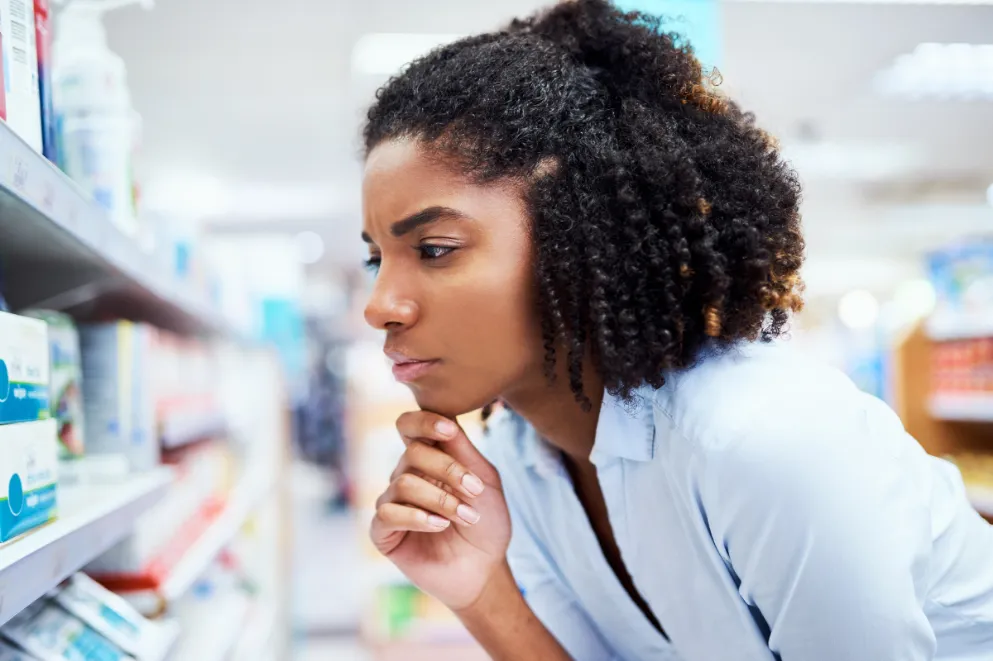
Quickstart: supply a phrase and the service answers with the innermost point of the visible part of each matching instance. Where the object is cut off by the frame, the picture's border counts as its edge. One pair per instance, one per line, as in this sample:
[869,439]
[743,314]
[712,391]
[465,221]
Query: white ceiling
[259,95]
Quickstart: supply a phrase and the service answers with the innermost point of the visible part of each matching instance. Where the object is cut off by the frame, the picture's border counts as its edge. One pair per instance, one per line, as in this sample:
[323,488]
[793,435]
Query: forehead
[401,177]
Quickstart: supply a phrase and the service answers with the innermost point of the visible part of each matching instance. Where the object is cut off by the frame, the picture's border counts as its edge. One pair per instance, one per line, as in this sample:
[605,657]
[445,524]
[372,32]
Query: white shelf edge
[257,634]
[246,497]
[944,327]
[34,180]
[962,407]
[215,638]
[93,518]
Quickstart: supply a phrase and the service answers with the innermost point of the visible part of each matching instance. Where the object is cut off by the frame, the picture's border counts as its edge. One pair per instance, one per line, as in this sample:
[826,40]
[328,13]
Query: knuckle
[445,500]
[406,482]
[414,451]
[454,470]
[403,421]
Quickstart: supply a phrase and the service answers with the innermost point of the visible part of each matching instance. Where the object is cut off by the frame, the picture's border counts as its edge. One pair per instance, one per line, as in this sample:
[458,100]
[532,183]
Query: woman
[566,218]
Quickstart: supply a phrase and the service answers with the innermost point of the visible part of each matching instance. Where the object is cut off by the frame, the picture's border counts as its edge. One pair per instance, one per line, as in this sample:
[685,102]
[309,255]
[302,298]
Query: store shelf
[59,250]
[256,637]
[248,494]
[93,518]
[215,635]
[962,407]
[944,327]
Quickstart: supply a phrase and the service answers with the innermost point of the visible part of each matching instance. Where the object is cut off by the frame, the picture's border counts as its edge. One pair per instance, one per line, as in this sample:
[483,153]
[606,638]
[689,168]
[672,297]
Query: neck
[555,414]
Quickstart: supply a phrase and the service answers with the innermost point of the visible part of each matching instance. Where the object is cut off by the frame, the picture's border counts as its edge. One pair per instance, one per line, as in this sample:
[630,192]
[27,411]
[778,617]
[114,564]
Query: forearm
[505,625]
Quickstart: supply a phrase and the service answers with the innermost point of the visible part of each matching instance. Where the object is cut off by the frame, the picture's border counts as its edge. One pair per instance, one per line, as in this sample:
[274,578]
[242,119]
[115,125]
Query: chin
[449,402]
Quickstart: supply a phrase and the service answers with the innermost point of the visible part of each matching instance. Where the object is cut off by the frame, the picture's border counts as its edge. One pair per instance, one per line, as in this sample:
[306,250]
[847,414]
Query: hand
[443,521]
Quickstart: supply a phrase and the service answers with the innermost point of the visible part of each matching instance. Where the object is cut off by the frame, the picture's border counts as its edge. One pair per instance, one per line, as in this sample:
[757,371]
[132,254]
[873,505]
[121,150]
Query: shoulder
[765,415]
[757,391]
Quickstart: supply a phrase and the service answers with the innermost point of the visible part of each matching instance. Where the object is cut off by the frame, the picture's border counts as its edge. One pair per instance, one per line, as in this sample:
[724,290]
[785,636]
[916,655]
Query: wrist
[498,592]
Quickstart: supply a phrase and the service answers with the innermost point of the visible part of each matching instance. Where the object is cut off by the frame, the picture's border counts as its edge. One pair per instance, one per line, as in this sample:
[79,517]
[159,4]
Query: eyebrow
[415,220]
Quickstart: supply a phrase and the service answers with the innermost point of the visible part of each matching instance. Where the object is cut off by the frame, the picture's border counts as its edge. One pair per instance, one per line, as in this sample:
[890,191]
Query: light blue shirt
[765,509]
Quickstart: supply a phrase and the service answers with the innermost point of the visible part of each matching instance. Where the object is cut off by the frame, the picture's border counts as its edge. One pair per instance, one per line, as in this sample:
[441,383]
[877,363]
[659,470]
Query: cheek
[501,313]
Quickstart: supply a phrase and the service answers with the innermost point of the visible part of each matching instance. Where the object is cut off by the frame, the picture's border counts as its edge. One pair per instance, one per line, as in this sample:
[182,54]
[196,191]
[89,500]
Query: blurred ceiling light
[386,53]
[944,71]
[858,309]
[310,247]
[915,298]
[851,161]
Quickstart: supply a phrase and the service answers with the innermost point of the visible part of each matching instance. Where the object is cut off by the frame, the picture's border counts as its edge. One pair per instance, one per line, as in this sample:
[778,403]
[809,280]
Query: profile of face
[454,288]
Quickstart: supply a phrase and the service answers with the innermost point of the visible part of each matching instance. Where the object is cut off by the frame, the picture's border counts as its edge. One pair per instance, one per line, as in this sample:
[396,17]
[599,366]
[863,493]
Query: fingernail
[472,484]
[445,427]
[467,514]
[438,521]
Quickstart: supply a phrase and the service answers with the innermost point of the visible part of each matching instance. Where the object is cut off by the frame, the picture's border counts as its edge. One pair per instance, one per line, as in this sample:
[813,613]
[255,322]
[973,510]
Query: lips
[407,369]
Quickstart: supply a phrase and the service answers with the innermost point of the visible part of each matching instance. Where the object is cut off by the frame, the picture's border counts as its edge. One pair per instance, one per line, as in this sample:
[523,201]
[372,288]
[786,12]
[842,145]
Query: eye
[372,264]
[429,252]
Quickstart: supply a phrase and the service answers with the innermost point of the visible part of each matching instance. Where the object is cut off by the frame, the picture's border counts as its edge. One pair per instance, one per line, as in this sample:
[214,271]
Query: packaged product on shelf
[117,402]
[962,276]
[11,653]
[114,618]
[43,42]
[50,633]
[66,381]
[172,525]
[97,124]
[28,477]
[24,369]
[20,70]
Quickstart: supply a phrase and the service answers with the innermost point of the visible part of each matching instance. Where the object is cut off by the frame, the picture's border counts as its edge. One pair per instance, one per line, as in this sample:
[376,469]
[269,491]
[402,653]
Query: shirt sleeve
[824,522]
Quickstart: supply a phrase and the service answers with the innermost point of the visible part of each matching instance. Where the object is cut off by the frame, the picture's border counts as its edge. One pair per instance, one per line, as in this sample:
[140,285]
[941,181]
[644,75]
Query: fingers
[426,426]
[432,428]
[435,464]
[392,518]
[410,489]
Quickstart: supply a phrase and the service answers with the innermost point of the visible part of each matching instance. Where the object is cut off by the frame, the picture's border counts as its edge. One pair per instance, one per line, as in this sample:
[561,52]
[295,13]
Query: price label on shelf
[19,173]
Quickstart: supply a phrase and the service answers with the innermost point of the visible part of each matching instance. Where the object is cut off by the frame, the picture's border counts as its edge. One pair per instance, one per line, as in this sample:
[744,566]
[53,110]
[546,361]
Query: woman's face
[454,291]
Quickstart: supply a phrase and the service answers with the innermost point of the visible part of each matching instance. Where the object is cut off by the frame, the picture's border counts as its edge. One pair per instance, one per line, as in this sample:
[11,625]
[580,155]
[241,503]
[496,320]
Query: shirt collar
[625,430]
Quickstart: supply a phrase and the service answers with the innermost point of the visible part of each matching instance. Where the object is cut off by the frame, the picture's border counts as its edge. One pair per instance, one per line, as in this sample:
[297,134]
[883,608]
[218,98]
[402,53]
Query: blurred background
[179,221]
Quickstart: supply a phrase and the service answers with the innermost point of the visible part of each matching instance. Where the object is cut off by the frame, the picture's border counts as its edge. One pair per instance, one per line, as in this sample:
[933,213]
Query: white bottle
[20,69]
[97,124]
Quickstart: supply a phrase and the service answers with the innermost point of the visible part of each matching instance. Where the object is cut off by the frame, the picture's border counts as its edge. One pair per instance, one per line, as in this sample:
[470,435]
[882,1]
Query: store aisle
[329,590]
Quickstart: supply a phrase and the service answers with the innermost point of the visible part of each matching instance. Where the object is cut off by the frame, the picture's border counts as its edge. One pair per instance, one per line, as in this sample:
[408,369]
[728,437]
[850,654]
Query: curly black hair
[661,216]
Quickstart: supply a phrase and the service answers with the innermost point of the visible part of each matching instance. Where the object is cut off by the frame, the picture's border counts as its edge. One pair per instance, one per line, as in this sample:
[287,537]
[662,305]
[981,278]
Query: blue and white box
[49,633]
[24,369]
[29,467]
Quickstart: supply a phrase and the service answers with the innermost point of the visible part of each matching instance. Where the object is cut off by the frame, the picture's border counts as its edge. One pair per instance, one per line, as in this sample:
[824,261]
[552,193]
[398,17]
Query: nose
[389,308]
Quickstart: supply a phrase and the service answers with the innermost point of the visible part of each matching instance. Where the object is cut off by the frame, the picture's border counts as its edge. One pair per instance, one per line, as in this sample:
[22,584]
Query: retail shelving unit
[254,486]
[93,518]
[59,250]
[945,424]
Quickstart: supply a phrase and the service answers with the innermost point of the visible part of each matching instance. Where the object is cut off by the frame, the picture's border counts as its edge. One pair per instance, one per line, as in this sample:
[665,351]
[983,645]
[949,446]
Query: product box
[24,369]
[10,653]
[118,404]
[49,633]
[28,477]
[65,390]
[115,619]
[20,70]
